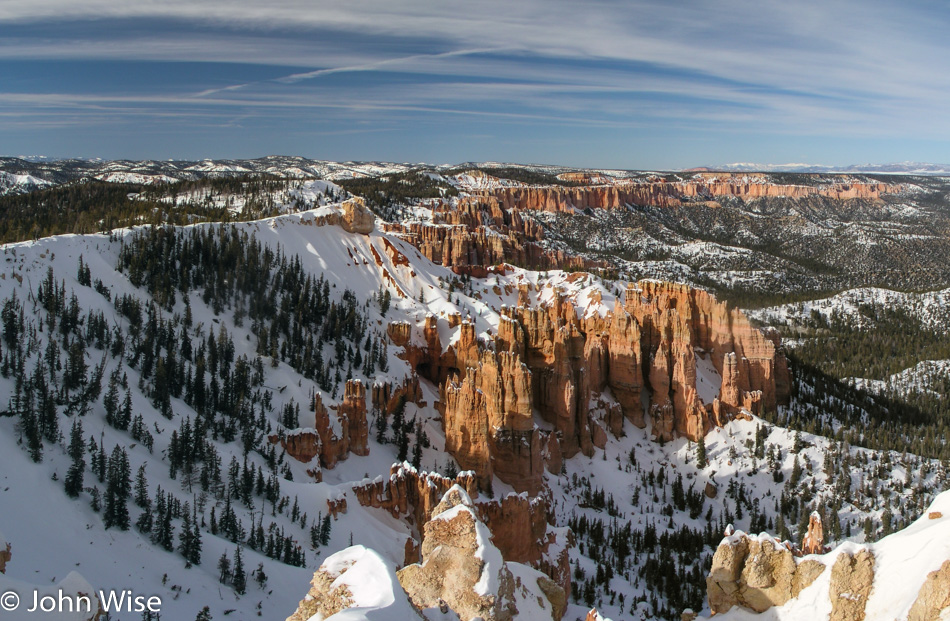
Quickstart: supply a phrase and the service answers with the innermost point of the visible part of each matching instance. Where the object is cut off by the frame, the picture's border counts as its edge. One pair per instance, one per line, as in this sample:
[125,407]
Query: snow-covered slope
[633,482]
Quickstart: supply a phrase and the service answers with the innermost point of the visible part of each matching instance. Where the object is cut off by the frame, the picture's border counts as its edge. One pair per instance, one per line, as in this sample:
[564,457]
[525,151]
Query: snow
[372,583]
[708,379]
[529,599]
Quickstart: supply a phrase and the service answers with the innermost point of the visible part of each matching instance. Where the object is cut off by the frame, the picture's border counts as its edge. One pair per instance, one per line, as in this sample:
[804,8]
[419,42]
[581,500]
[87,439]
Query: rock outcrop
[331,438]
[356,577]
[933,597]
[814,540]
[521,526]
[409,493]
[475,232]
[464,570]
[353,411]
[905,575]
[489,426]
[707,188]
[756,573]
[586,373]
[357,218]
[852,577]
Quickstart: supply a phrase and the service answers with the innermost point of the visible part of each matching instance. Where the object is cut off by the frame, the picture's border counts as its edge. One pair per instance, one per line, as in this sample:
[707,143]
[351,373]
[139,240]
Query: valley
[575,381]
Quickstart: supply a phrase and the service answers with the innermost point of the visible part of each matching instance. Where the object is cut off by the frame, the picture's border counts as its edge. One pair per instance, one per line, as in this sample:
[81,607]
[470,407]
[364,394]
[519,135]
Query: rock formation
[585,373]
[475,232]
[703,188]
[331,438]
[462,568]
[353,410]
[756,573]
[409,493]
[357,218]
[814,540]
[851,579]
[520,525]
[356,577]
[386,398]
[489,427]
[303,445]
[933,597]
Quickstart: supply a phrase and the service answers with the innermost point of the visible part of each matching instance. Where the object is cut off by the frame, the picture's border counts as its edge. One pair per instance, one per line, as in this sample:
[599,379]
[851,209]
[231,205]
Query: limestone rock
[356,577]
[933,597]
[756,573]
[814,540]
[357,218]
[353,408]
[463,569]
[399,332]
[334,437]
[489,426]
[410,493]
[302,445]
[851,581]
[460,566]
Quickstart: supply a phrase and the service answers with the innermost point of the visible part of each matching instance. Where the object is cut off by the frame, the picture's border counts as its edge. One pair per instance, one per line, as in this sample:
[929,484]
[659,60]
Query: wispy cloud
[831,67]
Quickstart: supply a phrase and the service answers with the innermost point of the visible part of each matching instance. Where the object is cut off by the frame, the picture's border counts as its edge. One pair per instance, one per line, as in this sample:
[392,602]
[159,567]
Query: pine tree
[77,470]
[204,615]
[325,531]
[111,400]
[701,453]
[238,578]
[118,490]
[141,488]
[145,522]
[96,502]
[188,539]
[125,416]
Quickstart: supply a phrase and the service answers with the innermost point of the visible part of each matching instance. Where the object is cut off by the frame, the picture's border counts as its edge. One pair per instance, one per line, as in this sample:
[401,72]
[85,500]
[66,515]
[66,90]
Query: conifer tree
[118,490]
[238,577]
[77,469]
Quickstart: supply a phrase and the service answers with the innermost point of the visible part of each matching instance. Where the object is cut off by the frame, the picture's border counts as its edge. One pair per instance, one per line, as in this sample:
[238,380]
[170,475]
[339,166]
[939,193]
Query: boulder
[357,218]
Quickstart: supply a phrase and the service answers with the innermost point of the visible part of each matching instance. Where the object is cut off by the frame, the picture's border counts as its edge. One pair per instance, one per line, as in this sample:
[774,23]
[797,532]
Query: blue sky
[632,84]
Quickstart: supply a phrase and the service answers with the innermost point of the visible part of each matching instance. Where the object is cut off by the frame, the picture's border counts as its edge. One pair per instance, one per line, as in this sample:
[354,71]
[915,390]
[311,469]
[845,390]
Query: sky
[621,84]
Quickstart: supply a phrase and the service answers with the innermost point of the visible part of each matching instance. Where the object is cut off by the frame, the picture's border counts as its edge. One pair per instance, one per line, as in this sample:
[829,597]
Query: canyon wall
[583,373]
[672,194]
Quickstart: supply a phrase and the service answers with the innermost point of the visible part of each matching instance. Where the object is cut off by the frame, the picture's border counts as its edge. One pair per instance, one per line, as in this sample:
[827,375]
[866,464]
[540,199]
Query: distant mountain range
[900,168]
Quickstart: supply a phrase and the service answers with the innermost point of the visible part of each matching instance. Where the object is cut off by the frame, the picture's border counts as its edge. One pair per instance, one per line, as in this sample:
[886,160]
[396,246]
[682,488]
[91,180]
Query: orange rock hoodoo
[353,409]
[331,440]
[520,526]
[581,374]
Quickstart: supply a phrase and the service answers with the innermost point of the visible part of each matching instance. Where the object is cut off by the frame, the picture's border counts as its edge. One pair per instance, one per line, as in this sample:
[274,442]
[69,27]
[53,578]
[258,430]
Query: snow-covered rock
[903,576]
[462,568]
[355,584]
